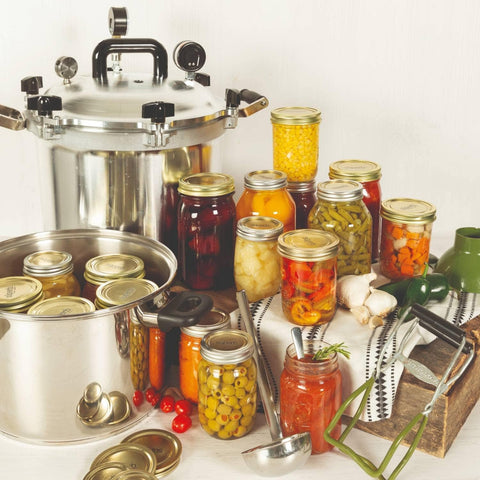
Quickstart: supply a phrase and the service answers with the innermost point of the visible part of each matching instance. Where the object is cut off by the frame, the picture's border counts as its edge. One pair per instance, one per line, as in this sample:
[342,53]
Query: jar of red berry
[206,230]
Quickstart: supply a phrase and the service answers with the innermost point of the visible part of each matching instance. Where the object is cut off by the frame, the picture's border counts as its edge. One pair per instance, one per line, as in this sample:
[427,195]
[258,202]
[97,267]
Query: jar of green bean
[340,209]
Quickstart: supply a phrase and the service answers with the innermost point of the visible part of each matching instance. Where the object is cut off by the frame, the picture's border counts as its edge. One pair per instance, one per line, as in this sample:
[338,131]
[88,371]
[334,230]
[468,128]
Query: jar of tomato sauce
[304,196]
[368,174]
[309,275]
[310,394]
[206,230]
[266,195]
[189,349]
[405,238]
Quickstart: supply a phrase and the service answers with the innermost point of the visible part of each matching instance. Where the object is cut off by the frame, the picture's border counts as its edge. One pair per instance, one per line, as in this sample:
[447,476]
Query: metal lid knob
[45,104]
[158,111]
[117,21]
[66,68]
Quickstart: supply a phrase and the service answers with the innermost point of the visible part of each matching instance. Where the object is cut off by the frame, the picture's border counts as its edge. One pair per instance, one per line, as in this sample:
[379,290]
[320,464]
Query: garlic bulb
[361,313]
[380,303]
[353,290]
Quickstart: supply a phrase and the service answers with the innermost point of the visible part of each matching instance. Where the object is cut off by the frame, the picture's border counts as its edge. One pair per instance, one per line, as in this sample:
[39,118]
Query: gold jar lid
[103,268]
[408,210]
[226,347]
[340,190]
[47,263]
[265,180]
[307,245]
[359,170]
[17,293]
[206,185]
[259,228]
[134,475]
[295,116]
[67,305]
[215,319]
[106,471]
[123,290]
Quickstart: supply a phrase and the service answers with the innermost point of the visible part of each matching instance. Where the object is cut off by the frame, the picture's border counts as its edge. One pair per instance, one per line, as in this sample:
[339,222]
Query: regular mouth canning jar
[266,195]
[19,293]
[295,142]
[405,238]
[304,196]
[309,272]
[206,230]
[340,210]
[368,174]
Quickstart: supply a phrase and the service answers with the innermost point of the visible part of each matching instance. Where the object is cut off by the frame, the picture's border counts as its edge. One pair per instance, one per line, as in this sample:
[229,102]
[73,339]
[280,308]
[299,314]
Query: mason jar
[265,194]
[206,230]
[256,261]
[227,384]
[368,174]
[340,209]
[64,305]
[309,275]
[304,196]
[405,238]
[19,293]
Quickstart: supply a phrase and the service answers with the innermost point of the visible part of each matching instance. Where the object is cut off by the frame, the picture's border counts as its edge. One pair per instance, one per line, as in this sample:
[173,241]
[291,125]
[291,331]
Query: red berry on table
[183,406]
[137,398]
[167,404]
[149,394]
[181,423]
[155,399]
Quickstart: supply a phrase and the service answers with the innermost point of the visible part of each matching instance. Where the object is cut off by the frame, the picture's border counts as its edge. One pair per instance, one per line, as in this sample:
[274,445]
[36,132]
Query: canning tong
[444,330]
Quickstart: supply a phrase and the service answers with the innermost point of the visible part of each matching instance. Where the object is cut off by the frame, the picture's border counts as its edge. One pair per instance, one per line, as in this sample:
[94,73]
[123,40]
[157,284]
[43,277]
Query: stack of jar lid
[154,453]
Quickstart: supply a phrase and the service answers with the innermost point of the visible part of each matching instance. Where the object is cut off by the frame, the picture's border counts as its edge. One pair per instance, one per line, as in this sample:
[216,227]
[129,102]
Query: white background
[397,82]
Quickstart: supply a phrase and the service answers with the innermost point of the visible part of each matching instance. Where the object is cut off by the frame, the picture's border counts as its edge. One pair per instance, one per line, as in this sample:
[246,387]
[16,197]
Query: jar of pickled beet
[256,261]
[295,142]
[266,195]
[405,238]
[368,174]
[304,196]
[310,394]
[340,209]
[206,230]
[309,275]
[189,349]
[227,384]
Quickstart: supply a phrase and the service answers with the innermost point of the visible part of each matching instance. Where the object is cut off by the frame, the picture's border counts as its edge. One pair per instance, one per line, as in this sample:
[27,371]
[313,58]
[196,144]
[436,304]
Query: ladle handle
[263,383]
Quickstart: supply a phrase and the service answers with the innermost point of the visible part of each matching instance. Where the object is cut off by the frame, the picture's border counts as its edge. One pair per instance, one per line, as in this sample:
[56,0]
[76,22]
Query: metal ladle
[284,454]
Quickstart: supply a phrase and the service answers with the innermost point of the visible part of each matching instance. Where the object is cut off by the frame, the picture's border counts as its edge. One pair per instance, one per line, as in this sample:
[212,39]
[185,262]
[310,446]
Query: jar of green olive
[340,209]
[227,384]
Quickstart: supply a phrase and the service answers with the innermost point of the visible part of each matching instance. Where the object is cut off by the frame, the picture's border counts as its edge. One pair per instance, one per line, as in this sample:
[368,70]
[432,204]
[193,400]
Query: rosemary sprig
[325,352]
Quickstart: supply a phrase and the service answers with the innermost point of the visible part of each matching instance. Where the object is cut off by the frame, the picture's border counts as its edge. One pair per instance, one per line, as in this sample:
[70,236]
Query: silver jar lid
[301,187]
[308,245]
[47,263]
[265,180]
[102,268]
[226,347]
[259,228]
[408,210]
[340,190]
[295,116]
[215,319]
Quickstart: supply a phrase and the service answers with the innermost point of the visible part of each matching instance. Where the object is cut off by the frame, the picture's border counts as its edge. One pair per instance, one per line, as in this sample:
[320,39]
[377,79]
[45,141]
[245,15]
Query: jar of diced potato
[341,210]
[256,261]
[227,384]
[295,142]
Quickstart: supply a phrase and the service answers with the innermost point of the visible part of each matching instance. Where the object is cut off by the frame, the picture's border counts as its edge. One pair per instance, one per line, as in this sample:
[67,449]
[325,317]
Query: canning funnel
[284,454]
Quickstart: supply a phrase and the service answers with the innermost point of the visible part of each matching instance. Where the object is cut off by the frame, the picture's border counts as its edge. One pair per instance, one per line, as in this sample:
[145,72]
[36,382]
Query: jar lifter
[444,330]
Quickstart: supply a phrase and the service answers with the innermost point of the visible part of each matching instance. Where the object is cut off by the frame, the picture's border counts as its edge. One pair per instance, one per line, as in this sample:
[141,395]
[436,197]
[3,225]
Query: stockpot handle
[129,45]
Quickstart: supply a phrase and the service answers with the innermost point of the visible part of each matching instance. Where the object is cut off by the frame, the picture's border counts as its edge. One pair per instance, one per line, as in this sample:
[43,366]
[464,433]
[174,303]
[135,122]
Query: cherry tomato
[137,398]
[183,406]
[167,404]
[155,399]
[149,394]
[181,423]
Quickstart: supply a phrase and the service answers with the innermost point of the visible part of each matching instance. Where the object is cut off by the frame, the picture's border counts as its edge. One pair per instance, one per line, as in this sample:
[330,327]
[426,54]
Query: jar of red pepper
[309,275]
[304,196]
[206,230]
[310,394]
[368,174]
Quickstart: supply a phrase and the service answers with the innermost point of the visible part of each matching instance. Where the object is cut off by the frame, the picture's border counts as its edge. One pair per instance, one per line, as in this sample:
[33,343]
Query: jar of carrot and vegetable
[368,174]
[295,142]
[340,209]
[304,196]
[265,194]
[310,394]
[405,238]
[309,275]
[189,349]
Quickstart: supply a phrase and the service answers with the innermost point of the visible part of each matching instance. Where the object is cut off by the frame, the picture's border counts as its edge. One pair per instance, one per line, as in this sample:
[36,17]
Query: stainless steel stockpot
[46,362]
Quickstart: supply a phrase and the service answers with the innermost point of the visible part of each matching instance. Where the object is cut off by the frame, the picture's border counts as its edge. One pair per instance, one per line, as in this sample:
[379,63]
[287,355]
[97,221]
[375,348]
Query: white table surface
[207,458]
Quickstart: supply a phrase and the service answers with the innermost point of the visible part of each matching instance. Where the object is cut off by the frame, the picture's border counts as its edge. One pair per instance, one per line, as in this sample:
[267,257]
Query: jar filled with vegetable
[256,261]
[405,238]
[309,275]
[64,305]
[227,384]
[206,230]
[55,270]
[311,392]
[295,142]
[368,174]
[189,349]
[340,210]
[266,195]
[19,293]
[304,196]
